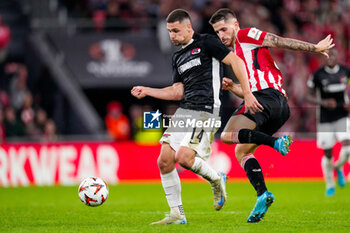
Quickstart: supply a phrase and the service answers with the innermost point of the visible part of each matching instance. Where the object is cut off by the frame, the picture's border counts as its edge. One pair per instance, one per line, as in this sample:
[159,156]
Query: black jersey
[331,83]
[198,67]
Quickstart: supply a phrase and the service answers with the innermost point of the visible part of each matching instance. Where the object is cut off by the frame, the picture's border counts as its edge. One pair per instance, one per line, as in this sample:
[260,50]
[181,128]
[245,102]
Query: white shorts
[329,133]
[197,132]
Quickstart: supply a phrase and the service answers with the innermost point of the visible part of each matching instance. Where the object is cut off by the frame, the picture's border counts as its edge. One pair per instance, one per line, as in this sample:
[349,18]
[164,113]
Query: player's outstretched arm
[274,41]
[174,92]
[229,85]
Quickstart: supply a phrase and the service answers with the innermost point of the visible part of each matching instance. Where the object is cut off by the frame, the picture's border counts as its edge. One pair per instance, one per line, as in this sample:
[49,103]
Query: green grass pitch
[299,207]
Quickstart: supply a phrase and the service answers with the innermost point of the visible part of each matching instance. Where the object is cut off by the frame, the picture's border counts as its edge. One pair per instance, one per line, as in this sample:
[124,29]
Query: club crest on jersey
[343,79]
[195,51]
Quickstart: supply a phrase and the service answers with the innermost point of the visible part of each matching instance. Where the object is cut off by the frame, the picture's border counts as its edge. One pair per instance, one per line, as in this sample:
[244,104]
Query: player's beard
[226,42]
[233,38]
[176,43]
[229,40]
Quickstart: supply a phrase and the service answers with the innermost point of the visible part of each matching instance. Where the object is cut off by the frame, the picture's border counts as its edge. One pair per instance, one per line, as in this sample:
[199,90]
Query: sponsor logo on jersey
[188,65]
[196,51]
[336,87]
[254,33]
[343,79]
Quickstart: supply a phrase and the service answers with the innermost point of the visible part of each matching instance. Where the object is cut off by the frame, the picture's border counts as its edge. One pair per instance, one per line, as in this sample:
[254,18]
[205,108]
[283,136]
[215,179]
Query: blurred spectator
[50,133]
[5,36]
[28,115]
[40,121]
[18,85]
[4,99]
[2,127]
[135,112]
[114,9]
[116,122]
[99,19]
[13,127]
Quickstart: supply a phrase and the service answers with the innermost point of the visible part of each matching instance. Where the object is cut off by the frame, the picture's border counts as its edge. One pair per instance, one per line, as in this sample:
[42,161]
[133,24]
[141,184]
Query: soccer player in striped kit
[248,129]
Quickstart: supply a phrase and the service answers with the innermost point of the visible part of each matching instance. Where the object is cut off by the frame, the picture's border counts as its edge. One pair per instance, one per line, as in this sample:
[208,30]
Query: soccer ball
[93,191]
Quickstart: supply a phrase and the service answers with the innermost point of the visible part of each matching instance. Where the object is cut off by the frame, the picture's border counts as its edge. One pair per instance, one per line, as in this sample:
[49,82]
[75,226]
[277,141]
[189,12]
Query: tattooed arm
[274,41]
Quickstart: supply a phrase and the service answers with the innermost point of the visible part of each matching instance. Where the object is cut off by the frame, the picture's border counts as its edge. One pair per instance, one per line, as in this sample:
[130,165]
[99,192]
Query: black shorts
[275,114]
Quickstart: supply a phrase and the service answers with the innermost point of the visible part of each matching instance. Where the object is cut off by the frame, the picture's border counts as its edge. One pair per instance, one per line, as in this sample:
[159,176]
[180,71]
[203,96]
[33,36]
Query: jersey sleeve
[313,81]
[251,36]
[216,48]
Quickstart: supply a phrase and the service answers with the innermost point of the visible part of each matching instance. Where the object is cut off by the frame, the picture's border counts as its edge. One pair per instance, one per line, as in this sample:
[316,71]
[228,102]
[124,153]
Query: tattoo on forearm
[272,40]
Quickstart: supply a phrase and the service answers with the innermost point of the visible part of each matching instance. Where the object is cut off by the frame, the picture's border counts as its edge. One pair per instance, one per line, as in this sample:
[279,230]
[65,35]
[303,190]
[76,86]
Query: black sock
[255,137]
[255,175]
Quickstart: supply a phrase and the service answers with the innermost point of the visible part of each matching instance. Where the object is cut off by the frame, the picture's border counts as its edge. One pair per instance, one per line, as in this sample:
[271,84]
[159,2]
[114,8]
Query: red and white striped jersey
[261,68]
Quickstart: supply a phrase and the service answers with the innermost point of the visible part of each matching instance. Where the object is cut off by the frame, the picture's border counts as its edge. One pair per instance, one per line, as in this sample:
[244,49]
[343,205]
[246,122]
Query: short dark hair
[222,14]
[177,15]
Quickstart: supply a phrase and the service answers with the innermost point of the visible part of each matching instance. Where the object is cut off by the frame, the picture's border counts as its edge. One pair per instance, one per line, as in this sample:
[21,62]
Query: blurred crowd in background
[21,110]
[20,115]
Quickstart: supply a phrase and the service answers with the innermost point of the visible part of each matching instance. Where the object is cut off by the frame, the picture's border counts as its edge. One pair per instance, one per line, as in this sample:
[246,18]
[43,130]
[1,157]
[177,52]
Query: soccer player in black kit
[197,75]
[330,81]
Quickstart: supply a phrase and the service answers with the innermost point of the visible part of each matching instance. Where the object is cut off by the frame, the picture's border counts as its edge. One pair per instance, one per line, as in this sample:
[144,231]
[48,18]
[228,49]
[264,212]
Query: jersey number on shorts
[196,137]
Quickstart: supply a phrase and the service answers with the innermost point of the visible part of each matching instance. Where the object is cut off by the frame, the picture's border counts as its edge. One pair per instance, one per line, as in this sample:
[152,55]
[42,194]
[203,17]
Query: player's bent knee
[226,137]
[161,162]
[240,153]
[239,157]
[183,161]
[165,165]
